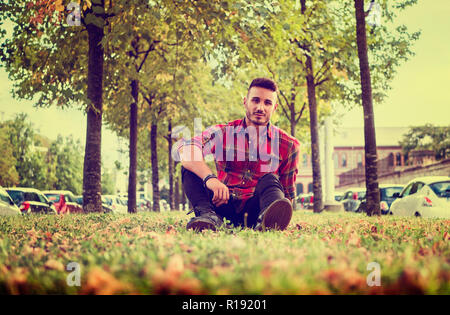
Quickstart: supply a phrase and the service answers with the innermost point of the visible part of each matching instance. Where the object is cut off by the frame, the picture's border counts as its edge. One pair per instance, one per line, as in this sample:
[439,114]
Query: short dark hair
[264,83]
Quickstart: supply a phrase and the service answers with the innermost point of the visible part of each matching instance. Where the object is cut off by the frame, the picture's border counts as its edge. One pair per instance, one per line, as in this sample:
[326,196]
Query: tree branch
[287,102]
[300,114]
[151,48]
[321,82]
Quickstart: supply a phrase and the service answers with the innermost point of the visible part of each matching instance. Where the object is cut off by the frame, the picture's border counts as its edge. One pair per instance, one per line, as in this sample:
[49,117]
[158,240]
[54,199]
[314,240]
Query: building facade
[348,156]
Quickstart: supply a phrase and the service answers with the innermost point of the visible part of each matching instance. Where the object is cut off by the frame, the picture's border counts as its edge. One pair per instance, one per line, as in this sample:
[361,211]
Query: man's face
[259,105]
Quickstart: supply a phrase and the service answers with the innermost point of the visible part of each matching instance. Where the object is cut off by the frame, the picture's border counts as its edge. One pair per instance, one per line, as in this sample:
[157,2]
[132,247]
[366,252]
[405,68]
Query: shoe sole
[278,215]
[199,226]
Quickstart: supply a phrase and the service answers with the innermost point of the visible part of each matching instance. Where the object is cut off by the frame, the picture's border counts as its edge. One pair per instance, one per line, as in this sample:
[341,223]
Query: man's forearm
[192,160]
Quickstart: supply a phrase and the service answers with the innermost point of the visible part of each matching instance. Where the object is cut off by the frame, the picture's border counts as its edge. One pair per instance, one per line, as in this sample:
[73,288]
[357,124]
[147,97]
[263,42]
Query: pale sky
[420,91]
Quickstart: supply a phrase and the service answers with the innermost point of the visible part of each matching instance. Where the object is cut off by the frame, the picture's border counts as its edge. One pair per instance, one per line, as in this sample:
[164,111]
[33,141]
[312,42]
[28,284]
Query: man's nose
[259,107]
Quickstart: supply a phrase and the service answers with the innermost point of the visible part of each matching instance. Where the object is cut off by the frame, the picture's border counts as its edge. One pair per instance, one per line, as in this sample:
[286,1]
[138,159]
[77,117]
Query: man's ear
[275,108]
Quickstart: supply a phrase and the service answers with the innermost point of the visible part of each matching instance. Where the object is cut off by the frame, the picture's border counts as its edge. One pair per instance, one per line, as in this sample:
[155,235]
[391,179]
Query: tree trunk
[132,173]
[373,194]
[183,194]
[312,102]
[92,186]
[317,179]
[293,121]
[154,158]
[293,125]
[169,144]
[176,188]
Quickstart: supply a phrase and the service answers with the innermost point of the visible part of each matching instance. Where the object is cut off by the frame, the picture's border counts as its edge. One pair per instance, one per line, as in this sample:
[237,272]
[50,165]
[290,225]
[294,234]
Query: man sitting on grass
[256,166]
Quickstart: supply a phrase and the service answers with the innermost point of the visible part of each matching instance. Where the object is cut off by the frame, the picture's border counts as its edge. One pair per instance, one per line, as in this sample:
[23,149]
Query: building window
[305,160]
[359,161]
[336,160]
[344,160]
[299,188]
[391,159]
[399,159]
[310,188]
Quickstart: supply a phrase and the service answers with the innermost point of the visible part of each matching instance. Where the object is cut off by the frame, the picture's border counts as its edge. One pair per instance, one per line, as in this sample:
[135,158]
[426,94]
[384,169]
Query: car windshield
[53,197]
[16,196]
[69,198]
[5,197]
[79,199]
[32,196]
[441,189]
[389,192]
[107,200]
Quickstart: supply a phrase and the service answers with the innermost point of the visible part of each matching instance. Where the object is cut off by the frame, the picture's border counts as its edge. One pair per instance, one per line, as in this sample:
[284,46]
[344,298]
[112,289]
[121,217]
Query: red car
[64,201]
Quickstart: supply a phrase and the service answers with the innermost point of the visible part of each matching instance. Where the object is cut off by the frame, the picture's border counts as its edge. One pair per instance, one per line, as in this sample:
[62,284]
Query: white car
[116,203]
[427,197]
[7,205]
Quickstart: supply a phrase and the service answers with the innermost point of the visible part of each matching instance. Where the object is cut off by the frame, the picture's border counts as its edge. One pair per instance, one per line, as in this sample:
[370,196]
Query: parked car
[7,205]
[115,203]
[64,201]
[352,198]
[308,201]
[164,205]
[303,199]
[79,200]
[106,208]
[143,205]
[387,192]
[427,197]
[30,200]
[338,197]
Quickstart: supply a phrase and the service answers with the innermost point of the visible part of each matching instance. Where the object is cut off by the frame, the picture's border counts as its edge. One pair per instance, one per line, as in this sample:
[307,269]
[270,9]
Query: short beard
[257,123]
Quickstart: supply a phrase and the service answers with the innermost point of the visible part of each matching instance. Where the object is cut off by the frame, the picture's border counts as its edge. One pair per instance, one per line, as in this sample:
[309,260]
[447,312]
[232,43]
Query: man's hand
[220,190]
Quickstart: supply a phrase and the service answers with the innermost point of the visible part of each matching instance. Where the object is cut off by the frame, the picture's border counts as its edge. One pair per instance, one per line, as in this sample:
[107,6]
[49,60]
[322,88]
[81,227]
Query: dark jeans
[268,189]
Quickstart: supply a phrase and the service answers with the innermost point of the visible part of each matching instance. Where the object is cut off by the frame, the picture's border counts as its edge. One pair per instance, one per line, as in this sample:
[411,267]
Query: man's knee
[268,180]
[185,172]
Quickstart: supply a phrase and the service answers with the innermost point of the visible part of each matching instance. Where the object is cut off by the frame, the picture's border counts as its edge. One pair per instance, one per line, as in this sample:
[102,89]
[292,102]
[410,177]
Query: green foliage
[65,165]
[38,162]
[108,183]
[152,253]
[428,137]
[46,61]
[30,164]
[8,173]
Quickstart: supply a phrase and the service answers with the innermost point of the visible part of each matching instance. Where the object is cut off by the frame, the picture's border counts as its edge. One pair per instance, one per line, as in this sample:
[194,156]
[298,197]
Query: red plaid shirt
[240,163]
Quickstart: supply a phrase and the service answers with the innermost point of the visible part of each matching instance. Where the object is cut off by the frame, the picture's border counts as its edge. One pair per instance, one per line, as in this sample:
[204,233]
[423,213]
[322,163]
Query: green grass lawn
[152,253]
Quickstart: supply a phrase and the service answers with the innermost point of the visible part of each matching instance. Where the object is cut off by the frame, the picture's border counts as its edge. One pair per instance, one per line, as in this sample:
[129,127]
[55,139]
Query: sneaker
[206,221]
[276,216]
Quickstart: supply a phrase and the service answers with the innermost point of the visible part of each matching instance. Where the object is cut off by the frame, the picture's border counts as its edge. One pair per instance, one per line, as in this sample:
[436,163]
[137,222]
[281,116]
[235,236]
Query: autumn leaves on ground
[152,253]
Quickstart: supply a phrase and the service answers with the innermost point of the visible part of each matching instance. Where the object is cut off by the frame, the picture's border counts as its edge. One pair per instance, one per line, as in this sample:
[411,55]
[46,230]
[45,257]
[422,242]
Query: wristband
[208,178]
